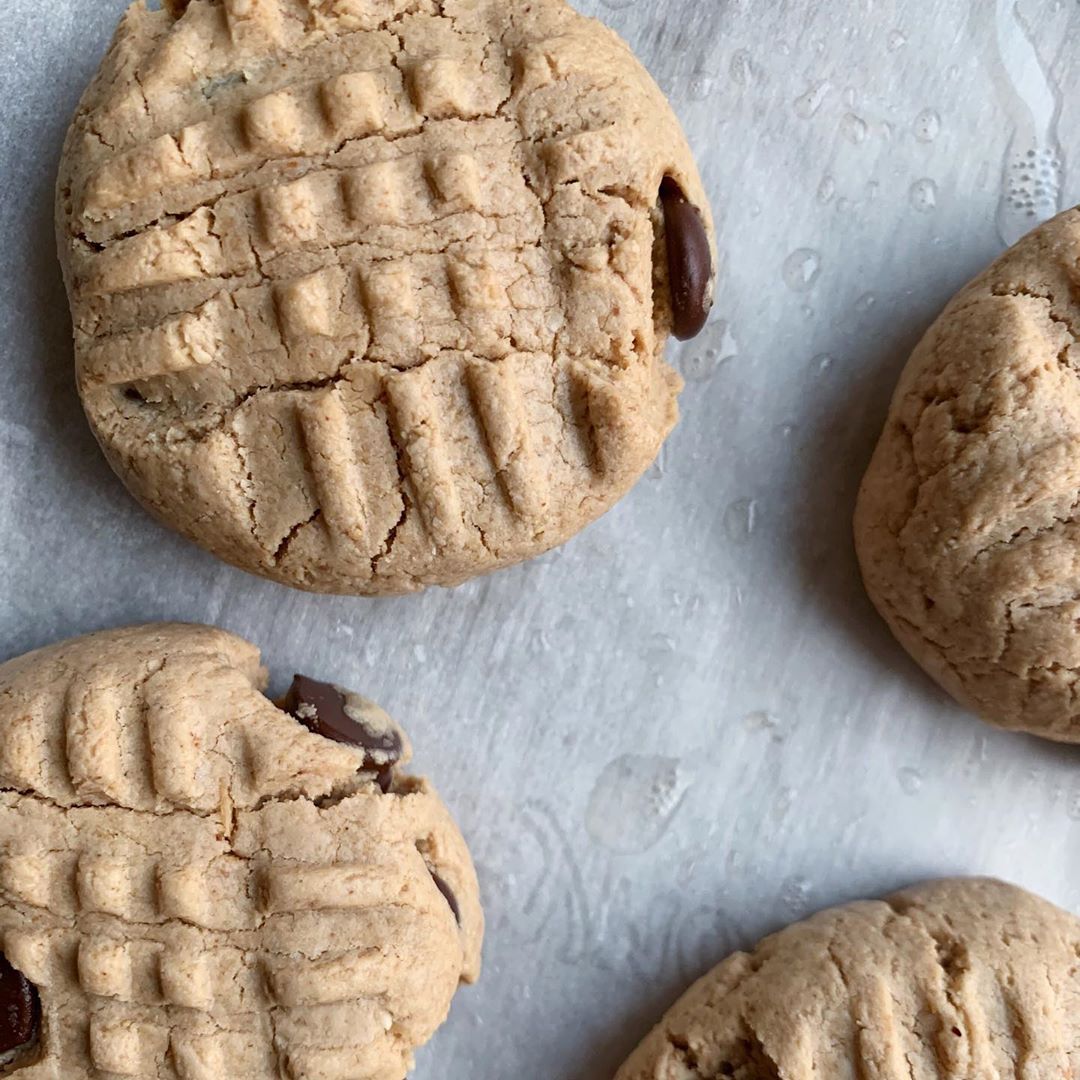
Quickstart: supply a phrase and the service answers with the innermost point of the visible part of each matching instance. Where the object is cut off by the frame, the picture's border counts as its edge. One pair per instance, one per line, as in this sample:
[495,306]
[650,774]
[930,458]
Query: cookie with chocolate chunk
[371,295]
[197,884]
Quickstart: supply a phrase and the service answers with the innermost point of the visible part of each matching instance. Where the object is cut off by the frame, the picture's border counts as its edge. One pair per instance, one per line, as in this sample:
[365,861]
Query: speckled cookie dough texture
[200,888]
[955,980]
[370,295]
[968,522]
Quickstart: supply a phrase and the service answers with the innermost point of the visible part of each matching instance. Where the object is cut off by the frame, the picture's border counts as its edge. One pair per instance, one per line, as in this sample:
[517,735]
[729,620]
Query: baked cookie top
[957,980]
[967,524]
[195,884]
[373,294]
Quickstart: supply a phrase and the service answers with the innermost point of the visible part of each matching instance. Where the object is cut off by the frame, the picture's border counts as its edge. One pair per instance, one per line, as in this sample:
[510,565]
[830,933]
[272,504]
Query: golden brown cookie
[955,980]
[967,525]
[370,295]
[196,884]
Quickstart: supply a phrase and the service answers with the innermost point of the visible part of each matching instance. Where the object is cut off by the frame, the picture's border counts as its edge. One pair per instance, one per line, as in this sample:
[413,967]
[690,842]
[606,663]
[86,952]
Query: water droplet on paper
[865,302]
[1031,192]
[634,800]
[910,779]
[795,895]
[923,195]
[826,189]
[785,799]
[927,126]
[1032,171]
[743,70]
[801,269]
[698,367]
[16,435]
[739,520]
[854,129]
[1072,805]
[760,720]
[729,347]
[661,645]
[810,102]
[764,722]
[897,40]
[700,86]
[976,759]
[823,361]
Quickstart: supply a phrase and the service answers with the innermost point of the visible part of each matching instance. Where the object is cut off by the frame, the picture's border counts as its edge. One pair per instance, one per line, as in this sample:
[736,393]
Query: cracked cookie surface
[968,521]
[370,295]
[198,886]
[966,979]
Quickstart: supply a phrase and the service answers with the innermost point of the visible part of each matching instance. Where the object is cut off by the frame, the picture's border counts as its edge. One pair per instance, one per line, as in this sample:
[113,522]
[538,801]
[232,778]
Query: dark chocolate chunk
[447,892]
[20,1009]
[320,707]
[689,257]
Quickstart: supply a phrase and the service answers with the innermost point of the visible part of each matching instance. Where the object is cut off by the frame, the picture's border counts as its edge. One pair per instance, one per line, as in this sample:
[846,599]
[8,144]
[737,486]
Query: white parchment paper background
[687,727]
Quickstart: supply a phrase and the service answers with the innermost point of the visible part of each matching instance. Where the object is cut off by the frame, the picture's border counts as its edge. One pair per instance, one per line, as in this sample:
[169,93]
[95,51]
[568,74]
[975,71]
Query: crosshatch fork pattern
[301,223]
[200,887]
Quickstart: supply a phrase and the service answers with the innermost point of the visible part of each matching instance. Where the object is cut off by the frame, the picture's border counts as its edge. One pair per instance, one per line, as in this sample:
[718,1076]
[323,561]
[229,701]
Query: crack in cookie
[198,884]
[447,243]
[966,525]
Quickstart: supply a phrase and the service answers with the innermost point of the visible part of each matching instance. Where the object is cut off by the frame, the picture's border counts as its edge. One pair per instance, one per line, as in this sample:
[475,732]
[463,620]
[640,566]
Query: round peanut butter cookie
[957,980]
[197,884]
[370,295]
[968,521]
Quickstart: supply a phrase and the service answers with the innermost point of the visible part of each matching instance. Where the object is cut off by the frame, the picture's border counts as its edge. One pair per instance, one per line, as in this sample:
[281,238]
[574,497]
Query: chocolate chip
[20,1009]
[321,708]
[689,259]
[447,892]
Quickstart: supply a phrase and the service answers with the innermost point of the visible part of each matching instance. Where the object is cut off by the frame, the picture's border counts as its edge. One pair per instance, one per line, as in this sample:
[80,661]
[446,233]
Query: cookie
[197,884]
[967,523]
[962,980]
[370,295]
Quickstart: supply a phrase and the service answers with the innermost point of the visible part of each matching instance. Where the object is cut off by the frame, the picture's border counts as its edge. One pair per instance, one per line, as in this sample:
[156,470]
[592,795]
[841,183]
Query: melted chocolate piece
[320,707]
[20,1009]
[448,893]
[689,259]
